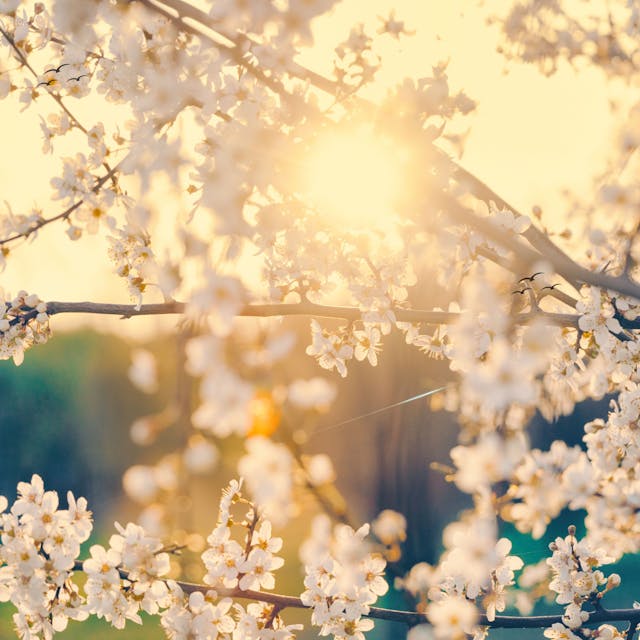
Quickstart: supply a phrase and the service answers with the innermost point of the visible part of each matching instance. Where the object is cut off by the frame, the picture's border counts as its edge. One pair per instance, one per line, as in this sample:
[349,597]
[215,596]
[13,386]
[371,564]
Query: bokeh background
[66,412]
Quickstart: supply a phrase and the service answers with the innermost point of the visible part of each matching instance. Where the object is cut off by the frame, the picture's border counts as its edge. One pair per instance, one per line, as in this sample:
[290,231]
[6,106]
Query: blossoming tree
[219,107]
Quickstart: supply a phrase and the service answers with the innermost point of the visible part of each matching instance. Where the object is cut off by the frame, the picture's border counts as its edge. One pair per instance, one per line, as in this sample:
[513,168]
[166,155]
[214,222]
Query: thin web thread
[426,394]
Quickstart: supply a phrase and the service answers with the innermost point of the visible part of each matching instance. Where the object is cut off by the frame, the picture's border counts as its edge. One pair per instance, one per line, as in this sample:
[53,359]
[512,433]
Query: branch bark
[409,618]
[293,309]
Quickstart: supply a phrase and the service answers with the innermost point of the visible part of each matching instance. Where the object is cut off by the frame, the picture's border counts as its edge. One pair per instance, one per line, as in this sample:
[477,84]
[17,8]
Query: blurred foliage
[65,414]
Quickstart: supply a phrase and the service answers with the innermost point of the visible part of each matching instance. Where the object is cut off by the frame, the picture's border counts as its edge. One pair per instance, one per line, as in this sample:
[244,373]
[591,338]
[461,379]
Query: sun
[353,177]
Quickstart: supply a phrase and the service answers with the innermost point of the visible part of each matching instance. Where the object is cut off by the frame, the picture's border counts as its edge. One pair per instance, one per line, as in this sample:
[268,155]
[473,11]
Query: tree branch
[294,309]
[563,265]
[185,10]
[56,97]
[544,247]
[64,214]
[410,618]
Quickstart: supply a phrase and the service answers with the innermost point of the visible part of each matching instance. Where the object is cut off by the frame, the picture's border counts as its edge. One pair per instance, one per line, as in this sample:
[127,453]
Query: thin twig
[56,97]
[339,515]
[64,214]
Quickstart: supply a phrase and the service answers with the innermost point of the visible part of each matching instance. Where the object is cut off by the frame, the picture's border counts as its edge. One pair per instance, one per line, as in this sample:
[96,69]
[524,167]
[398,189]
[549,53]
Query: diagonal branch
[537,238]
[23,59]
[233,51]
[542,244]
[545,249]
[562,264]
[64,214]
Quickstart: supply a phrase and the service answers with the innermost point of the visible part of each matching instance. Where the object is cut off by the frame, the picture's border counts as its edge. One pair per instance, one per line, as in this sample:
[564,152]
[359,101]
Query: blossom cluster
[231,565]
[23,323]
[376,298]
[197,615]
[547,33]
[39,557]
[473,575]
[579,583]
[132,255]
[249,565]
[17,225]
[342,579]
[126,578]
[38,554]
[256,114]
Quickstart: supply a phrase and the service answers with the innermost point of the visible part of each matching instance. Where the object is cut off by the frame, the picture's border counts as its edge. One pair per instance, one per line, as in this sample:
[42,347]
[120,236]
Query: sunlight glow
[353,177]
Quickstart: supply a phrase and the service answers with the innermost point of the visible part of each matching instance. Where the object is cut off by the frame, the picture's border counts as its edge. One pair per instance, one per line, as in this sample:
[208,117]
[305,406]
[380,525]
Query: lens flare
[353,177]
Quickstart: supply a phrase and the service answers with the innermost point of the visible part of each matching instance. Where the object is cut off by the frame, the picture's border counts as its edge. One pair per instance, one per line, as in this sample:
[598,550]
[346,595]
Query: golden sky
[530,137]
